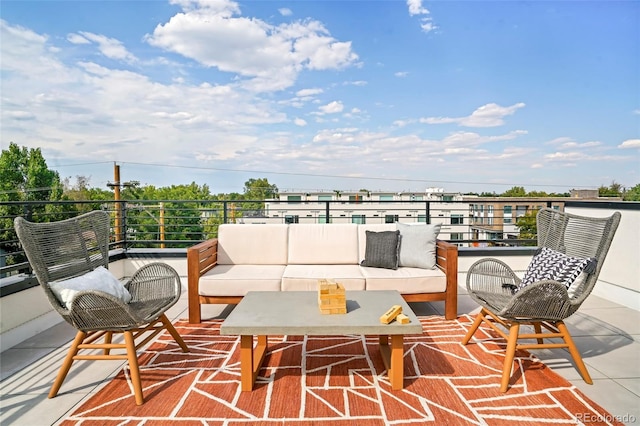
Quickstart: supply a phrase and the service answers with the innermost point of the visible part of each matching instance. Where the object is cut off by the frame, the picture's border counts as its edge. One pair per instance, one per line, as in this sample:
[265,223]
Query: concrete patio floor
[607,334]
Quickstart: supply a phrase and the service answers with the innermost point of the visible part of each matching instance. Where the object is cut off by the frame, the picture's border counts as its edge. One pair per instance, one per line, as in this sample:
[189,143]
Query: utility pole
[116,185]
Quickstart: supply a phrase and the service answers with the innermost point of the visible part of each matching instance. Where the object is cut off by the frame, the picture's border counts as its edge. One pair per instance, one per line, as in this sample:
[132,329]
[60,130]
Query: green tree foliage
[80,191]
[254,189]
[632,194]
[24,177]
[613,190]
[516,191]
[528,227]
[171,216]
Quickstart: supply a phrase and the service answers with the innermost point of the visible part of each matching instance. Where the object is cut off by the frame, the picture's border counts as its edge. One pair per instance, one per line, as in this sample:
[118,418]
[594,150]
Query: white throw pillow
[418,245]
[99,279]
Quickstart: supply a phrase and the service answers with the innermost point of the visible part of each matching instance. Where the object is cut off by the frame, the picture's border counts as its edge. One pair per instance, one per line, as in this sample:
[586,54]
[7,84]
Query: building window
[457,219]
[325,197]
[422,218]
[447,198]
[506,214]
[356,199]
[359,218]
[291,218]
[322,218]
[521,211]
[490,220]
[294,199]
[457,236]
[386,198]
[490,209]
[390,218]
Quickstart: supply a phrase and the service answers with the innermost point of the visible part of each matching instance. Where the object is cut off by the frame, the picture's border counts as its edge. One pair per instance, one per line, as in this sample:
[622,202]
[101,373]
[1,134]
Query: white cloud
[401,74]
[489,115]
[309,92]
[109,47]
[299,122]
[266,57]
[332,107]
[630,143]
[285,11]
[416,9]
[75,38]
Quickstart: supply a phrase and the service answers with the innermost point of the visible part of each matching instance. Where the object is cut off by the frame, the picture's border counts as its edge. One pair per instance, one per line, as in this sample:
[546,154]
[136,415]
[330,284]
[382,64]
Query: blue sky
[313,95]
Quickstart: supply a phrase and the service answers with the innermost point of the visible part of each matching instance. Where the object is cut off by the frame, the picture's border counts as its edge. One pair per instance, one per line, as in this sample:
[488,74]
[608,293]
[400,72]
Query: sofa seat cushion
[305,277]
[237,280]
[405,279]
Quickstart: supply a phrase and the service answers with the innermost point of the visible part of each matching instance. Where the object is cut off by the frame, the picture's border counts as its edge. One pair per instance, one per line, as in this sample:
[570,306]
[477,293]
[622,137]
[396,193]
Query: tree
[528,227]
[516,191]
[613,190]
[632,194]
[255,189]
[259,189]
[24,176]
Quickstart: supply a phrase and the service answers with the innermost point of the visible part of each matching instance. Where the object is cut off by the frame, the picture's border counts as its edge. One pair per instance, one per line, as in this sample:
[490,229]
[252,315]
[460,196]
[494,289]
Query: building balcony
[606,329]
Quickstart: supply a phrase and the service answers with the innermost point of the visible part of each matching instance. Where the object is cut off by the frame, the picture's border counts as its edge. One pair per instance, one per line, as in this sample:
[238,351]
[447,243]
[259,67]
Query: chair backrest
[578,236]
[65,249]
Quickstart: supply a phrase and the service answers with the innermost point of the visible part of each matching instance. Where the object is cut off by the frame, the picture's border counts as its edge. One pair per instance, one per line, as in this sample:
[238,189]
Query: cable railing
[178,224]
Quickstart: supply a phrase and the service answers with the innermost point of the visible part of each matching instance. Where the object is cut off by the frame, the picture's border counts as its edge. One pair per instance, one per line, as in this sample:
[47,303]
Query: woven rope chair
[542,304]
[70,248]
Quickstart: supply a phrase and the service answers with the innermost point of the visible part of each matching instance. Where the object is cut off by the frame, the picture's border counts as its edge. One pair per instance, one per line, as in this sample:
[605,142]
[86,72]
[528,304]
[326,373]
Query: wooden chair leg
[575,353]
[174,333]
[108,338]
[66,365]
[132,357]
[510,354]
[474,327]
[537,327]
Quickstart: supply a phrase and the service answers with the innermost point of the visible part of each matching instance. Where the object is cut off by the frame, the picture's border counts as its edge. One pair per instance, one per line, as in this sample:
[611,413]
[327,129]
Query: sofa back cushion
[252,244]
[323,244]
[362,235]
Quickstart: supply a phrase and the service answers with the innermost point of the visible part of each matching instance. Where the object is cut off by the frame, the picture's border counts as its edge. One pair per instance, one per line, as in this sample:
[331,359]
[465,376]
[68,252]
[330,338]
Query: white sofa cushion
[406,280]
[305,277]
[252,244]
[328,244]
[237,280]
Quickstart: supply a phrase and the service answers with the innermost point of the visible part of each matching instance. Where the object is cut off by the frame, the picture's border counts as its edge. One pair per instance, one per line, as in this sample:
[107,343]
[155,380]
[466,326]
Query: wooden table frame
[251,359]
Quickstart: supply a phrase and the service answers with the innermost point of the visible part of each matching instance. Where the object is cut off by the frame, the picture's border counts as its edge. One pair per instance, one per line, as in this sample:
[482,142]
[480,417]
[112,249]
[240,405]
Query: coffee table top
[296,313]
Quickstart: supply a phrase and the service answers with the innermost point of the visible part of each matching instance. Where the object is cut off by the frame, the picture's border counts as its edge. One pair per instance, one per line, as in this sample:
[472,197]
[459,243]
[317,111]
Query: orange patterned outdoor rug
[338,381]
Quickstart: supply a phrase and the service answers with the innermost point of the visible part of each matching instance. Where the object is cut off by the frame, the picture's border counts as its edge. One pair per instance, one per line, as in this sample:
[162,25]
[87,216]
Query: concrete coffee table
[296,313]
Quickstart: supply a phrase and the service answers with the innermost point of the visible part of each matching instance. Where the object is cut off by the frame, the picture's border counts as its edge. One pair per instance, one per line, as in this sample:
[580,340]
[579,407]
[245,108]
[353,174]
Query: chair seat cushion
[100,279]
[237,280]
[553,265]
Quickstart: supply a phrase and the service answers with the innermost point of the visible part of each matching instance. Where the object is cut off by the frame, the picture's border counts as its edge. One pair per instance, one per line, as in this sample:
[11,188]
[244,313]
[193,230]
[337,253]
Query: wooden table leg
[251,360]
[393,359]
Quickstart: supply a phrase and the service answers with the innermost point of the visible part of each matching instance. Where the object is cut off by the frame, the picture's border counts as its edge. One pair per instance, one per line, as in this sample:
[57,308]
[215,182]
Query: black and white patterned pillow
[553,265]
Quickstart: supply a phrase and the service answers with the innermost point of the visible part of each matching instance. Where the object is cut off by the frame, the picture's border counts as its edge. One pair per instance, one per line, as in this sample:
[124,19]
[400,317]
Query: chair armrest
[200,258]
[492,275]
[447,262]
[154,281]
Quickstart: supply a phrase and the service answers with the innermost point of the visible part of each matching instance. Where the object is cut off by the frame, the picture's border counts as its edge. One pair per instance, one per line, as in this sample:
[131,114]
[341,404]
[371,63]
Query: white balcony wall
[619,279]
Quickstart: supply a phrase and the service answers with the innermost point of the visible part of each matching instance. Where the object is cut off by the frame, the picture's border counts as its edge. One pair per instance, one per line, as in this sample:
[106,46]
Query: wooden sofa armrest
[447,261]
[200,259]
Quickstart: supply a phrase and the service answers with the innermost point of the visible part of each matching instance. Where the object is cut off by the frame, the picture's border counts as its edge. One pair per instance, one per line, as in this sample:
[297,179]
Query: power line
[426,181]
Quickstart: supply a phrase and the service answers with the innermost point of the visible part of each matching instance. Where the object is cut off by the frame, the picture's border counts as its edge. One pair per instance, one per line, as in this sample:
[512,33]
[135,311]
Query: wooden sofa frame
[204,256]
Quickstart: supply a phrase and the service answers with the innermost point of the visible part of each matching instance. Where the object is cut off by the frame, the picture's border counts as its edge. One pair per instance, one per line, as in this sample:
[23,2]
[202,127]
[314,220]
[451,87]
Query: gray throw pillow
[381,249]
[418,245]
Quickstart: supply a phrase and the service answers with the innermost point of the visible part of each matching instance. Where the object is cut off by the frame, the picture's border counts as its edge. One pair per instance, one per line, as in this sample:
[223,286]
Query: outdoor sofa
[281,257]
